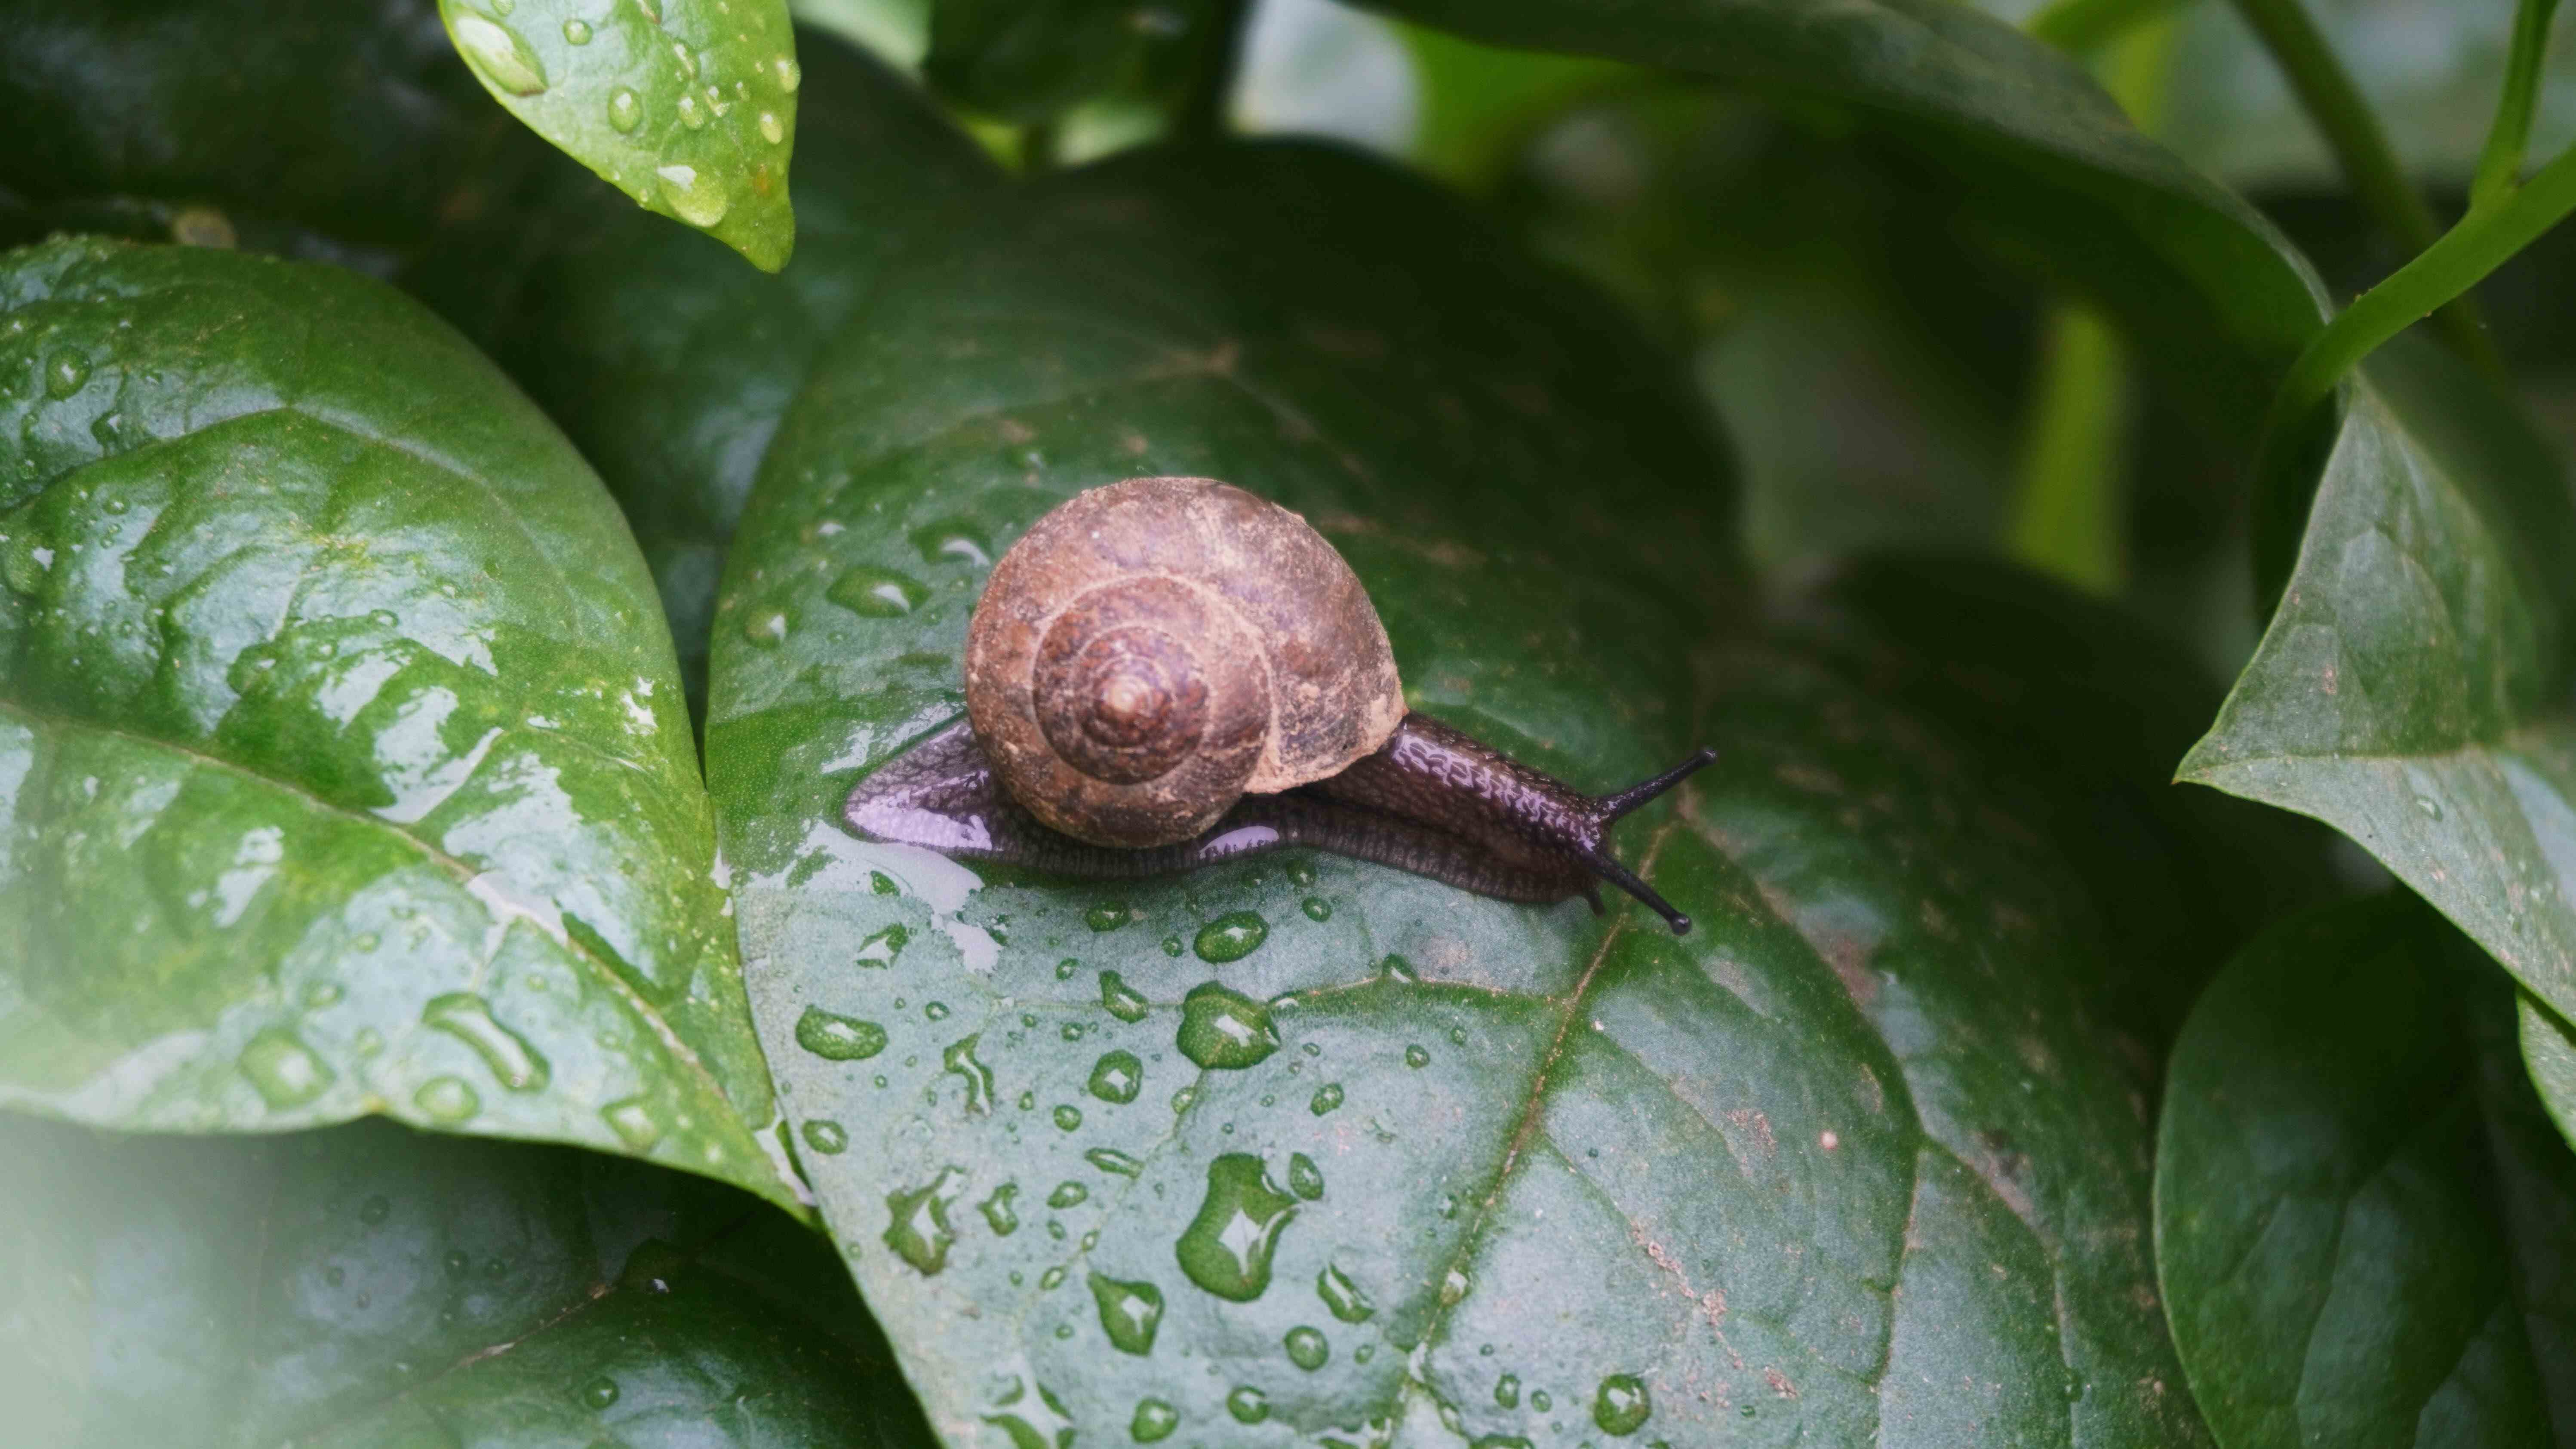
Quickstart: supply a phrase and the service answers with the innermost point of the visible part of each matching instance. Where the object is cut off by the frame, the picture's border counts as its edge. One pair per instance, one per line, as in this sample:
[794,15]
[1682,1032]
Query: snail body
[1169,672]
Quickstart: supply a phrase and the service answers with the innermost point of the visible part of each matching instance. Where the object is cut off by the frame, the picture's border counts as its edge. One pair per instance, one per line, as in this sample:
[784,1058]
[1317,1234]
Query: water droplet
[27,562]
[1222,1028]
[283,1069]
[1154,1421]
[838,1038]
[1110,1159]
[1307,1348]
[633,1122]
[1107,916]
[1231,937]
[447,1099]
[765,627]
[1226,1248]
[1117,1077]
[1182,1099]
[1317,908]
[576,31]
[878,593]
[1051,1279]
[959,1058]
[468,1018]
[881,947]
[1304,1178]
[789,74]
[1343,1296]
[691,113]
[320,994]
[498,52]
[1507,1391]
[1453,1286]
[1416,1057]
[1620,1405]
[65,371]
[1129,1312]
[997,1210]
[1068,1116]
[687,58]
[1247,1404]
[599,1393]
[375,1209]
[935,1010]
[919,1232]
[826,1136]
[771,129]
[1540,1401]
[1396,968]
[699,199]
[1171,945]
[1326,1098]
[625,110]
[1031,1420]
[2431,807]
[1119,999]
[1068,1194]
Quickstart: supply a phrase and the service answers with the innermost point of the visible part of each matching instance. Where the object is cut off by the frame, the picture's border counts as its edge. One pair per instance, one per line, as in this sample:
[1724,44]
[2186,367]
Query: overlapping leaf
[662,356]
[342,757]
[689,106]
[2362,1217]
[1300,1149]
[373,1286]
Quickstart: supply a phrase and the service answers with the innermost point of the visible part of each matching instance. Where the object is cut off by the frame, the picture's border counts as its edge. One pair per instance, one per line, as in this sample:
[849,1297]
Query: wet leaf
[342,757]
[1507,1168]
[664,359]
[370,1285]
[2411,690]
[2363,1218]
[688,106]
[2198,277]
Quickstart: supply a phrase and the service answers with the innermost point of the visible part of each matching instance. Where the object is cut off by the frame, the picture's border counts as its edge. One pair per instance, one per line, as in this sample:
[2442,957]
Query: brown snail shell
[1150,651]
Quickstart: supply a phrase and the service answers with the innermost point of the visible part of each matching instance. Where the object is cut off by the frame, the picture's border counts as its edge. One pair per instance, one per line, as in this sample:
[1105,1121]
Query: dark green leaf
[2549,1049]
[1030,60]
[341,750]
[353,119]
[2363,1219]
[2411,690]
[689,106]
[373,1286]
[664,359]
[1791,1176]
[2198,276]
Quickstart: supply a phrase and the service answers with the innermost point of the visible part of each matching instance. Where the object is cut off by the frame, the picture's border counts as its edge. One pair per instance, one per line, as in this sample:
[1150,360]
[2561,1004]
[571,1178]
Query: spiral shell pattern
[1152,650]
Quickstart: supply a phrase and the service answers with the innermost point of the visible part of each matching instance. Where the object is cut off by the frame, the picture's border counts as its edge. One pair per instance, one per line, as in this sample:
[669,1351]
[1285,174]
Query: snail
[1168,672]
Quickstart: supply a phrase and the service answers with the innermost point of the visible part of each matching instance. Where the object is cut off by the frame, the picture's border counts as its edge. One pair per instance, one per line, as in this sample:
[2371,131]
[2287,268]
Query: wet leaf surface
[1402,1161]
[342,757]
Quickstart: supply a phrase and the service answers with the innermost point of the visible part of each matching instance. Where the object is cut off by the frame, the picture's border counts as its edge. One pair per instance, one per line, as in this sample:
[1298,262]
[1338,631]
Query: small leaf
[667,363]
[688,106]
[369,1285]
[341,751]
[2411,690]
[1694,1179]
[2362,1216]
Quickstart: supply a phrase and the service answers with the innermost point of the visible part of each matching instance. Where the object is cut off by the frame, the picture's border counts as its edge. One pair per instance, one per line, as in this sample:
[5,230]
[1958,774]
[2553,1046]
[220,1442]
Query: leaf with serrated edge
[2362,1216]
[689,106]
[1791,1175]
[2411,690]
[341,747]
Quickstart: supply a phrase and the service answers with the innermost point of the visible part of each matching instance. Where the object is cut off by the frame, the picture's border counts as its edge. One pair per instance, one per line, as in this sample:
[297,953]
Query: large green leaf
[2363,1219]
[664,358]
[354,119]
[1031,60]
[2412,688]
[341,750]
[1508,1170]
[373,1286]
[689,106]
[2198,276]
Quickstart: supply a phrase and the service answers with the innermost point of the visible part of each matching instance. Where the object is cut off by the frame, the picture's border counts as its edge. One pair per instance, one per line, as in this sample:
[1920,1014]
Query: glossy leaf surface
[2363,1218]
[373,1286]
[666,360]
[688,106]
[1032,61]
[2411,690]
[342,756]
[1303,1150]
[2197,276]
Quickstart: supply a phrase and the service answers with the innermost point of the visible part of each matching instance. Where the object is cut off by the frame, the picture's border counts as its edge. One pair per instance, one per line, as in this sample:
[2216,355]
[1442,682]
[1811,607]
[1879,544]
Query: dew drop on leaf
[1227,1247]
[468,1018]
[1247,1404]
[1326,1098]
[1154,1421]
[1507,1391]
[499,53]
[576,31]
[599,1393]
[1118,998]
[1222,1028]
[789,74]
[918,1229]
[959,1060]
[838,1038]
[1620,1405]
[633,1122]
[997,1210]
[447,1099]
[1111,1160]
[1031,1417]
[1307,1348]
[1067,1116]
[1129,1312]
[1106,916]
[1117,1077]
[1304,1178]
[283,1069]
[826,1136]
[65,372]
[770,128]
[625,110]
[1231,937]
[877,593]
[1343,1296]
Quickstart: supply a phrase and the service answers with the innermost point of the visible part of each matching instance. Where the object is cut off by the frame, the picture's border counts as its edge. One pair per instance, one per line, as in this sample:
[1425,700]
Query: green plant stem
[2501,161]
[2362,149]
[2477,246]
[2068,518]
[1203,111]
[2080,27]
